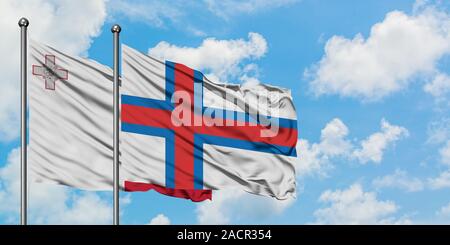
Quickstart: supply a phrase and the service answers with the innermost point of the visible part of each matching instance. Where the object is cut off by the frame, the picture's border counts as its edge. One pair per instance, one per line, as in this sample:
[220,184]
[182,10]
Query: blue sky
[370,81]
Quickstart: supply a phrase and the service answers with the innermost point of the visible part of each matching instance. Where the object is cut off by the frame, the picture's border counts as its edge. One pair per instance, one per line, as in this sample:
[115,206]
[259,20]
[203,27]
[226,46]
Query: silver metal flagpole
[23,23]
[116,30]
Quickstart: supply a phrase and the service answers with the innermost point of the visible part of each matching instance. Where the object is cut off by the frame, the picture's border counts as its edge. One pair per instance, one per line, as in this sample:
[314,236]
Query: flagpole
[116,30]
[23,23]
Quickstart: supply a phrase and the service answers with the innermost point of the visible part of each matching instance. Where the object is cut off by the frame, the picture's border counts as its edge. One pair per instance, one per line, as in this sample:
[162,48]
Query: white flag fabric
[70,120]
[228,136]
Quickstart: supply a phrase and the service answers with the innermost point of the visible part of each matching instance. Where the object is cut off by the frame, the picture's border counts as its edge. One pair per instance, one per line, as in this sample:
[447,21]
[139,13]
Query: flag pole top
[116,28]
[24,22]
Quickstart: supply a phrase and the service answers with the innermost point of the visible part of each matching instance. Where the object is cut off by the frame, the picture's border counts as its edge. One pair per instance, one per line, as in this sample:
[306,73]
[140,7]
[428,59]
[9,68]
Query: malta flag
[184,135]
[70,120]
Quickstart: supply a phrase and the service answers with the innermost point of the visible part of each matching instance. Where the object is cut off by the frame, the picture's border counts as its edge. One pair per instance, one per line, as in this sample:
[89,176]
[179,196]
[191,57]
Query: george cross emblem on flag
[50,72]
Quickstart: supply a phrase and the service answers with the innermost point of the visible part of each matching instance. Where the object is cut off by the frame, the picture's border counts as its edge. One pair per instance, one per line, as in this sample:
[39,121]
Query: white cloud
[87,208]
[399,179]
[66,25]
[9,183]
[49,204]
[223,58]
[439,86]
[332,138]
[218,210]
[444,211]
[397,49]
[231,206]
[354,206]
[315,158]
[228,8]
[441,181]
[445,153]
[160,219]
[310,160]
[373,147]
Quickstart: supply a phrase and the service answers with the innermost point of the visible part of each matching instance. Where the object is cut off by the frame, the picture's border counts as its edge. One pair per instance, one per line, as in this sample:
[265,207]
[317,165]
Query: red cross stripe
[50,72]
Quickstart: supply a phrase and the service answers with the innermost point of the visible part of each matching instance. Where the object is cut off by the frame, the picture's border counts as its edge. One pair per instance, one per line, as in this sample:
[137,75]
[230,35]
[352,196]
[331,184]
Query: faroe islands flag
[184,135]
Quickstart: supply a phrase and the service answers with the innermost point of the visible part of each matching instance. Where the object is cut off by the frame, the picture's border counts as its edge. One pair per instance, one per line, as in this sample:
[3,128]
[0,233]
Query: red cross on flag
[50,72]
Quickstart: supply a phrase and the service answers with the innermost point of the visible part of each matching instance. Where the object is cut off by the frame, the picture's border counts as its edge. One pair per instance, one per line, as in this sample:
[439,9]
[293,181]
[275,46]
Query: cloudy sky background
[370,81]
